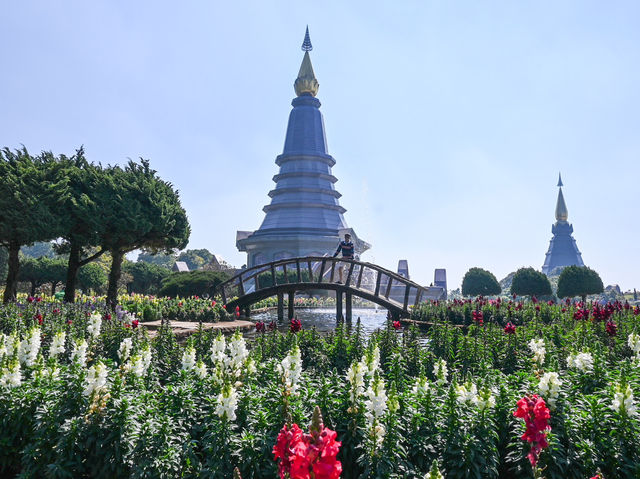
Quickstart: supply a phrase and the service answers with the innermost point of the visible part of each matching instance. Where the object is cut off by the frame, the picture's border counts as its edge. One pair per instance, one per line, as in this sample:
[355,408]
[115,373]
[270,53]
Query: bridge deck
[366,280]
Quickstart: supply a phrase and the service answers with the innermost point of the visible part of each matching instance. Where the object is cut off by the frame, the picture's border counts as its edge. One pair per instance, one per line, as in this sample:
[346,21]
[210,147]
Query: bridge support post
[292,295]
[280,307]
[247,312]
[338,305]
[347,307]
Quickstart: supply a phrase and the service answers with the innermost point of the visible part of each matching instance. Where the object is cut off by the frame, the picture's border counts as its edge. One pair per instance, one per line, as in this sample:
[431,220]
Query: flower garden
[489,389]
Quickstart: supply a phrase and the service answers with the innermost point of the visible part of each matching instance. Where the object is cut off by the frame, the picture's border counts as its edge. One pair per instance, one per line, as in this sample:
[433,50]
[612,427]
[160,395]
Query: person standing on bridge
[348,251]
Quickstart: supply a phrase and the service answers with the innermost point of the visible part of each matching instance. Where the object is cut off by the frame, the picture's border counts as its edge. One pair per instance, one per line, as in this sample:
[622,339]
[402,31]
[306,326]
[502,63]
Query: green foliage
[192,283]
[161,259]
[29,191]
[529,282]
[480,282]
[146,277]
[43,270]
[92,277]
[145,213]
[579,281]
[195,258]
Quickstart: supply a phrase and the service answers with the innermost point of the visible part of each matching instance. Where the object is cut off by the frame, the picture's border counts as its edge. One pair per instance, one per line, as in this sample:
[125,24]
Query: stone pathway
[183,329]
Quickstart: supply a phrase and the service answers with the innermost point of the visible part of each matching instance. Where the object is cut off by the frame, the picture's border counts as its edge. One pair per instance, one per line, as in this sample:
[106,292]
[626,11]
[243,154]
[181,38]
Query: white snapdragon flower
[485,399]
[188,358]
[79,352]
[217,349]
[623,400]
[375,407]
[420,387]
[200,369]
[128,318]
[581,361]
[3,345]
[52,372]
[11,376]
[124,351]
[538,349]
[95,323]
[371,360]
[355,376]
[290,369]
[634,342]
[549,387]
[29,347]
[146,355]
[238,353]
[96,380]
[136,366]
[12,344]
[57,344]
[227,403]
[440,371]
[467,393]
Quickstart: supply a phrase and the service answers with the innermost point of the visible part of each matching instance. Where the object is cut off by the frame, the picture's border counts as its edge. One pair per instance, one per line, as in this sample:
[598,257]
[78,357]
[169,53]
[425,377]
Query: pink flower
[536,416]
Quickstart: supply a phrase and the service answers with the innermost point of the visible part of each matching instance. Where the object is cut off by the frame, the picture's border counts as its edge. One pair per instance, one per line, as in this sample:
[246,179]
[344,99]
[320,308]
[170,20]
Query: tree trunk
[584,300]
[114,277]
[11,287]
[72,273]
[33,288]
[54,285]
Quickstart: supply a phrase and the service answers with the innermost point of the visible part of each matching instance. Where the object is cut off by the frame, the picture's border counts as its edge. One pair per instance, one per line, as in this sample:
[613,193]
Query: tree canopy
[529,282]
[146,277]
[480,282]
[43,270]
[145,213]
[195,258]
[579,281]
[29,192]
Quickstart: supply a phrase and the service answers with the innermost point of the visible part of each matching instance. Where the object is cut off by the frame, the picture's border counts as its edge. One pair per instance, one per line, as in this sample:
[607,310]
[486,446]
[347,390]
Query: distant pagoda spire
[306,83]
[563,250]
[562,213]
[306,44]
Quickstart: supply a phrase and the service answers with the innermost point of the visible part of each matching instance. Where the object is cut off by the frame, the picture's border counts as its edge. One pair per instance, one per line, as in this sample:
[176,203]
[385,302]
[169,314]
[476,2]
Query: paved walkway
[186,328]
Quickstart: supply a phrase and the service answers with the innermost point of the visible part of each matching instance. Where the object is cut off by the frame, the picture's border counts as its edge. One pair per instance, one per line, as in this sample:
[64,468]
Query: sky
[448,121]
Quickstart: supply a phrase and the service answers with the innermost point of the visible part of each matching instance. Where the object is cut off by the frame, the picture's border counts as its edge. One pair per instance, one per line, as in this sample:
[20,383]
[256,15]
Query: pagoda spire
[562,213]
[306,83]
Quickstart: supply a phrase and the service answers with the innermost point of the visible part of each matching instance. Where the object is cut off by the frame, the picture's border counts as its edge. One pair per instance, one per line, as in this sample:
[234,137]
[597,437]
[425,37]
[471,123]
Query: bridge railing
[367,278]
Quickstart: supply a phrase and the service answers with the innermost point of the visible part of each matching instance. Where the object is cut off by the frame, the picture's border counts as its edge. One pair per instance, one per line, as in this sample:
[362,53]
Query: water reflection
[324,319]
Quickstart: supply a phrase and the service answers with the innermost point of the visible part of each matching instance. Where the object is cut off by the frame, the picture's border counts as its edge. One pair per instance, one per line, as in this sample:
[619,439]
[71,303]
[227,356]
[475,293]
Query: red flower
[237,314]
[134,323]
[237,308]
[302,455]
[38,299]
[611,328]
[272,326]
[107,317]
[536,416]
[38,317]
[213,303]
[478,317]
[510,328]
[295,325]
[31,299]
[260,327]
[537,307]
[69,321]
[224,306]
[550,302]
[56,311]
[397,325]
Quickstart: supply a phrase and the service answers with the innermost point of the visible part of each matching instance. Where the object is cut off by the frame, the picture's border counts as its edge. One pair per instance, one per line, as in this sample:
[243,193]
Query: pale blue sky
[449,121]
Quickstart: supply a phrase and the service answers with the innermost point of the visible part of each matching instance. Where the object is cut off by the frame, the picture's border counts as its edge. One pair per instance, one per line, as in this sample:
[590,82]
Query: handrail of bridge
[312,271]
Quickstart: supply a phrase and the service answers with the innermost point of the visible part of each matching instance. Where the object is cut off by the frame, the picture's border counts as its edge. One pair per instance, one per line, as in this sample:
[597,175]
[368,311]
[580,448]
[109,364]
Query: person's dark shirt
[347,249]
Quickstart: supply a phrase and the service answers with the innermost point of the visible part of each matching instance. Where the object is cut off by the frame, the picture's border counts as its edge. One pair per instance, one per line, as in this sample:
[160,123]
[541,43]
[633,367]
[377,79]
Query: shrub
[192,283]
[529,282]
[579,281]
[480,282]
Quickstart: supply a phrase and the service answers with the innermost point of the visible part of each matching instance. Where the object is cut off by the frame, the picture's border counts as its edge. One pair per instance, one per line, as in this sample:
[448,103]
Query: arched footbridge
[314,273]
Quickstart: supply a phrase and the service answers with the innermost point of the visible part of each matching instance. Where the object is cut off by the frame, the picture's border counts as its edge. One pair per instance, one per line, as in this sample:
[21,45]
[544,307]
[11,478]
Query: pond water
[324,319]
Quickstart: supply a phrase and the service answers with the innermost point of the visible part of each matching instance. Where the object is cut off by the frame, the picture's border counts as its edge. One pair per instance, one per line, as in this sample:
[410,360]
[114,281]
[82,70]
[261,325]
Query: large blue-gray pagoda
[563,250]
[304,217]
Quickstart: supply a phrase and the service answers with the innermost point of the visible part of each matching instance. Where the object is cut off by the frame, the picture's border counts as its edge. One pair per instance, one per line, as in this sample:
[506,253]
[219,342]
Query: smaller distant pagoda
[563,250]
